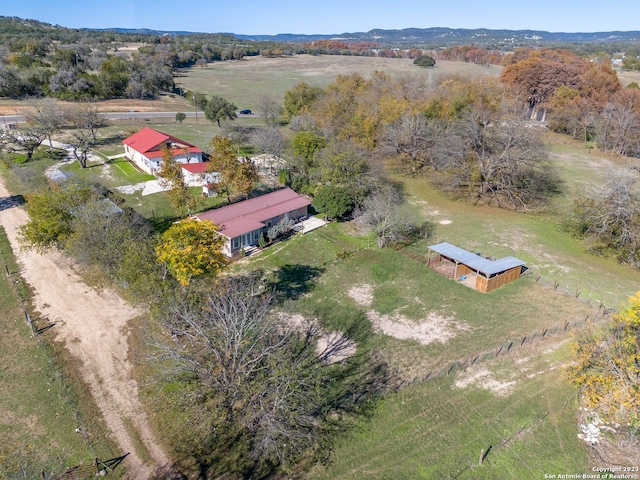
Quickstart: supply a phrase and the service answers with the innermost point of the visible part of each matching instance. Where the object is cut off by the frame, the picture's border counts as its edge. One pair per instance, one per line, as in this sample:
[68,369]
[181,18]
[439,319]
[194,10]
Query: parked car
[246,111]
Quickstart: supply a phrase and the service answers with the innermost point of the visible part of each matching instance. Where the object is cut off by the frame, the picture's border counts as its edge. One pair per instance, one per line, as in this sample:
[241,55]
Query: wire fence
[505,348]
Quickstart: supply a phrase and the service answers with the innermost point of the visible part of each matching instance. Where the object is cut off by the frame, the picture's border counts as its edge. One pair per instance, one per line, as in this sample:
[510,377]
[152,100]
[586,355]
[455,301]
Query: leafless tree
[384,212]
[254,368]
[618,129]
[48,118]
[414,142]
[27,139]
[609,217]
[500,156]
[271,111]
[269,140]
[252,376]
[87,117]
[81,143]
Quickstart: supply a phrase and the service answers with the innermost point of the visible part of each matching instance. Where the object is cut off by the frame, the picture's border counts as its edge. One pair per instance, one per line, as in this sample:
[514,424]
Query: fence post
[6,267]
[544,332]
[30,323]
[523,340]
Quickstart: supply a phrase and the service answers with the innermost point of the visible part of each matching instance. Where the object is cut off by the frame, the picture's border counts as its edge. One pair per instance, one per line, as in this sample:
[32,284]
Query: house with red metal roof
[145,147]
[244,222]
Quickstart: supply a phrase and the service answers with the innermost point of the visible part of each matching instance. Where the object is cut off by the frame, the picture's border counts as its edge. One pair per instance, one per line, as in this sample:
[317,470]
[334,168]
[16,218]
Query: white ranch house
[145,149]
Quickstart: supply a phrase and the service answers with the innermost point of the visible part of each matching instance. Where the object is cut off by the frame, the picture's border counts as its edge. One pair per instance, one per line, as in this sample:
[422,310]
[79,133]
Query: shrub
[335,202]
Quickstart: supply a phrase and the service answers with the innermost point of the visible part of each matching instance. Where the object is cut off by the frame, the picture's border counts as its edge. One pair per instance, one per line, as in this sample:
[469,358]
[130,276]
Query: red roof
[200,167]
[147,141]
[244,217]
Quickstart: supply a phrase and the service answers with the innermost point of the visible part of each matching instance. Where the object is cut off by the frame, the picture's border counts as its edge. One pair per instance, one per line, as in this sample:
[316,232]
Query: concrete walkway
[309,224]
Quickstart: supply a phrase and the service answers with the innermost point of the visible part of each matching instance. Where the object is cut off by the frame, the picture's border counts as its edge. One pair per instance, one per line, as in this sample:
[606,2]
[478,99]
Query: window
[236,242]
[256,235]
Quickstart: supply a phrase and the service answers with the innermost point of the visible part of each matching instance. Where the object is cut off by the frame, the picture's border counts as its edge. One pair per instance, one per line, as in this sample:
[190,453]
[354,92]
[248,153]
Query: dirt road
[93,327]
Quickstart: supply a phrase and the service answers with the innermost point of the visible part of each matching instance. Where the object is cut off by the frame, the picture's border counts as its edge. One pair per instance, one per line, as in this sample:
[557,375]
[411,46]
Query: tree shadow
[108,140]
[10,202]
[292,281]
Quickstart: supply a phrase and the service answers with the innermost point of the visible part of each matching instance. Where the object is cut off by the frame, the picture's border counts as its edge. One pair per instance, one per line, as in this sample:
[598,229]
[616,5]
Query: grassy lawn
[41,401]
[402,286]
[438,428]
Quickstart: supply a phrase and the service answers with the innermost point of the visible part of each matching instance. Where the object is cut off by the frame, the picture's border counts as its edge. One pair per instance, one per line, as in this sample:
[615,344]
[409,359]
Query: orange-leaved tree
[192,248]
[606,365]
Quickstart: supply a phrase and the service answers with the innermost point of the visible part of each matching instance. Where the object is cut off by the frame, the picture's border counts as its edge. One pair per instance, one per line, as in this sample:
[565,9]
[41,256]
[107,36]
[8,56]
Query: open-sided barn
[475,271]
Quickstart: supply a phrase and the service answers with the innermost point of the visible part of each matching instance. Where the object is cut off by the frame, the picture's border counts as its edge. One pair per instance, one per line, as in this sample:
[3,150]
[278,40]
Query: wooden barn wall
[481,283]
[462,269]
[500,280]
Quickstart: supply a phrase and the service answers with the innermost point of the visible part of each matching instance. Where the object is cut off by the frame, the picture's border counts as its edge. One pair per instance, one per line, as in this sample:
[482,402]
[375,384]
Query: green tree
[114,77]
[180,116]
[238,175]
[424,61]
[334,202]
[192,248]
[299,99]
[218,109]
[178,193]
[103,234]
[51,215]
[306,145]
[606,366]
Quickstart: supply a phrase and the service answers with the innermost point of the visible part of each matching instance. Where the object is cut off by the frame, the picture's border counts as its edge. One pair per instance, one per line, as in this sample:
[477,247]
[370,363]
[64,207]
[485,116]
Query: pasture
[245,82]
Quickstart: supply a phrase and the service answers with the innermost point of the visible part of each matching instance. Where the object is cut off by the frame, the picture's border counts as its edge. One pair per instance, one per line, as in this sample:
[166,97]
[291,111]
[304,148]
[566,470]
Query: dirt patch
[432,328]
[481,377]
[163,103]
[92,325]
[331,347]
[362,295]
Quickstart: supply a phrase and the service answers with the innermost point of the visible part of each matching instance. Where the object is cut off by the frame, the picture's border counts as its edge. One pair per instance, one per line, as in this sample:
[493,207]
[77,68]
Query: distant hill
[458,36]
[435,37]
[431,37]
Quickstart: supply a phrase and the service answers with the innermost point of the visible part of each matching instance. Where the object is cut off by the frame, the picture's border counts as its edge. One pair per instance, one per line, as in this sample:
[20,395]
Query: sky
[269,17]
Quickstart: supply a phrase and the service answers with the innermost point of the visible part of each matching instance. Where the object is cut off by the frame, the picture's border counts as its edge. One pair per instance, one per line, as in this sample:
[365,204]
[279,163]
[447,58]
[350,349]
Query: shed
[477,272]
